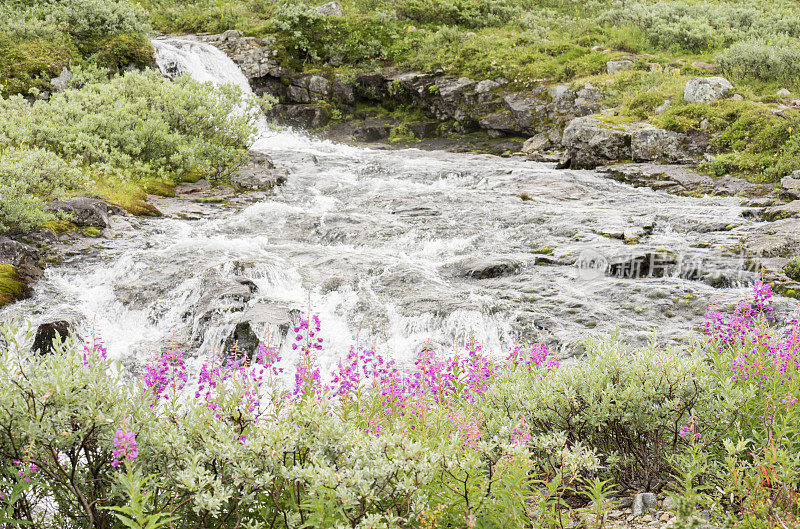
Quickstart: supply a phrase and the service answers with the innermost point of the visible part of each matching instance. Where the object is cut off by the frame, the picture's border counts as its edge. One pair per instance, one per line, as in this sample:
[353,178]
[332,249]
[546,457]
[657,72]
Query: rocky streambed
[405,249]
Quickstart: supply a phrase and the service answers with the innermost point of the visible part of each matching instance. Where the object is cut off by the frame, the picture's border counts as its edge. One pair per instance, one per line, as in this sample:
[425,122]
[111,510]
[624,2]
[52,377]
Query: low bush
[450,441]
[469,13]
[767,59]
[135,127]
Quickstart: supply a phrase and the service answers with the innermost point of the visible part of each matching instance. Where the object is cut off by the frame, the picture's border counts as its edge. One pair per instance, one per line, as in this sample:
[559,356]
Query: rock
[664,517]
[784,211]
[643,502]
[231,34]
[790,185]
[61,82]
[48,333]
[625,503]
[705,124]
[260,174]
[783,93]
[486,268]
[242,341]
[614,67]
[706,89]
[84,211]
[18,254]
[372,131]
[650,144]
[331,9]
[681,180]
[305,116]
[589,143]
[538,143]
[775,239]
[700,65]
[669,504]
[342,90]
[271,322]
[660,109]
[486,86]
[737,97]
[641,265]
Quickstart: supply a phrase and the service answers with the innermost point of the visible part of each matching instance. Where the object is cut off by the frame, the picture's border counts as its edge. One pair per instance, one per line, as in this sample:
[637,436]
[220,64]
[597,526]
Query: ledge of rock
[682,180]
[260,174]
[85,212]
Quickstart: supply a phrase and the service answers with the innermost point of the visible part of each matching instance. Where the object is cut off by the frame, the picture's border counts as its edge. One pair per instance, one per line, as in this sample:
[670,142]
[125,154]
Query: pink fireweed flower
[125,447]
[521,433]
[166,377]
[690,428]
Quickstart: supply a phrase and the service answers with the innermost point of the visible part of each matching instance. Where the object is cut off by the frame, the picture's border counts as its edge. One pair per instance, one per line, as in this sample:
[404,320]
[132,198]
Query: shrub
[133,127]
[470,13]
[93,19]
[767,59]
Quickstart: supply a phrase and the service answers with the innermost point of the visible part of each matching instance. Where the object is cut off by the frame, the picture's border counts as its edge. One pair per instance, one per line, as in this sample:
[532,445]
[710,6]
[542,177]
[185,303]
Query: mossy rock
[12,288]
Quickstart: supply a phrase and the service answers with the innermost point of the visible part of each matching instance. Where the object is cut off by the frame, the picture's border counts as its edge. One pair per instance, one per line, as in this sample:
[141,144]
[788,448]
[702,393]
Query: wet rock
[681,179]
[614,67]
[590,143]
[330,9]
[304,116]
[83,211]
[425,129]
[649,144]
[48,334]
[263,322]
[706,89]
[776,239]
[538,143]
[643,502]
[253,55]
[372,131]
[260,174]
[790,185]
[487,268]
[641,265]
[18,254]
[784,211]
[241,342]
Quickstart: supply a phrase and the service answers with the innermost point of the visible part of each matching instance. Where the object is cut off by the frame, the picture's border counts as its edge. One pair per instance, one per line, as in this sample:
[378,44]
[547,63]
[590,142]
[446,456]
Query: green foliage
[133,128]
[469,13]
[767,59]
[30,62]
[792,268]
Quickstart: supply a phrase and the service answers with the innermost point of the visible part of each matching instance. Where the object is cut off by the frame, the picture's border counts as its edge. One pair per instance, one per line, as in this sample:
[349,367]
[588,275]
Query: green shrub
[792,268]
[767,59]
[93,19]
[469,13]
[30,62]
[122,50]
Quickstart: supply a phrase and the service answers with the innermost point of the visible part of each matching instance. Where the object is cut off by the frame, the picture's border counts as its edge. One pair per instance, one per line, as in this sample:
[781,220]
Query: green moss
[30,62]
[91,231]
[210,200]
[12,288]
[792,268]
[159,188]
[544,250]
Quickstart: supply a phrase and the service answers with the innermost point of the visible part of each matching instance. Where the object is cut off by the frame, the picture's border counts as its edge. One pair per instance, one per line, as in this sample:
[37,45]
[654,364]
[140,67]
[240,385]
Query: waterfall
[201,61]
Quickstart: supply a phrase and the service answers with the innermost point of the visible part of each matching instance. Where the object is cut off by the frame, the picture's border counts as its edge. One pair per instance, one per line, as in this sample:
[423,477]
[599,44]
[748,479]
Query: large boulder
[652,144]
[706,89]
[18,254]
[84,211]
[614,67]
[589,143]
[260,174]
[49,333]
[538,143]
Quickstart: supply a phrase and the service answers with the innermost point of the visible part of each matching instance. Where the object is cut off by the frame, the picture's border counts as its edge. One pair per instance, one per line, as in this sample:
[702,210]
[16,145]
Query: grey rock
[706,89]
[330,9]
[487,268]
[298,94]
[784,211]
[641,265]
[643,502]
[84,211]
[537,143]
[780,238]
[269,321]
[342,90]
[486,86]
[61,82]
[669,504]
[790,185]
[737,97]
[305,116]
[783,92]
[650,144]
[18,254]
[663,107]
[614,67]
[589,143]
[260,174]
[230,35]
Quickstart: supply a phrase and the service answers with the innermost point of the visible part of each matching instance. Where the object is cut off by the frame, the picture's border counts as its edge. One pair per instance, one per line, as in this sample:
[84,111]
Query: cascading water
[401,249]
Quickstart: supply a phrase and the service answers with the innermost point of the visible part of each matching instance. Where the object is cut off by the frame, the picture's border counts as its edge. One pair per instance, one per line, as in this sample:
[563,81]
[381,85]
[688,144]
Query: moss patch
[12,288]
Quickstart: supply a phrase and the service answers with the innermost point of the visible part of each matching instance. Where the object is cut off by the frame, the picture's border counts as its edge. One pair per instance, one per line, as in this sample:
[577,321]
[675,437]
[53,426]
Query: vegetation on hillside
[451,442]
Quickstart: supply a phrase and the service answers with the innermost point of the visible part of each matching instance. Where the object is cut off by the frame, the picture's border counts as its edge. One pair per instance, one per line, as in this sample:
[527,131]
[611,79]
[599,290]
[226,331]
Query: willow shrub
[450,441]
[131,127]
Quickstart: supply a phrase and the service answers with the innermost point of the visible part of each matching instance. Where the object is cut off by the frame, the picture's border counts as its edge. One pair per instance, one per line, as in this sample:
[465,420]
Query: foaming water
[401,250]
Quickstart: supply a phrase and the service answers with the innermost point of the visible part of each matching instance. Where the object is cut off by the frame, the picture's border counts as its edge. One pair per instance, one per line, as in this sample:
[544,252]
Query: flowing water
[405,249]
